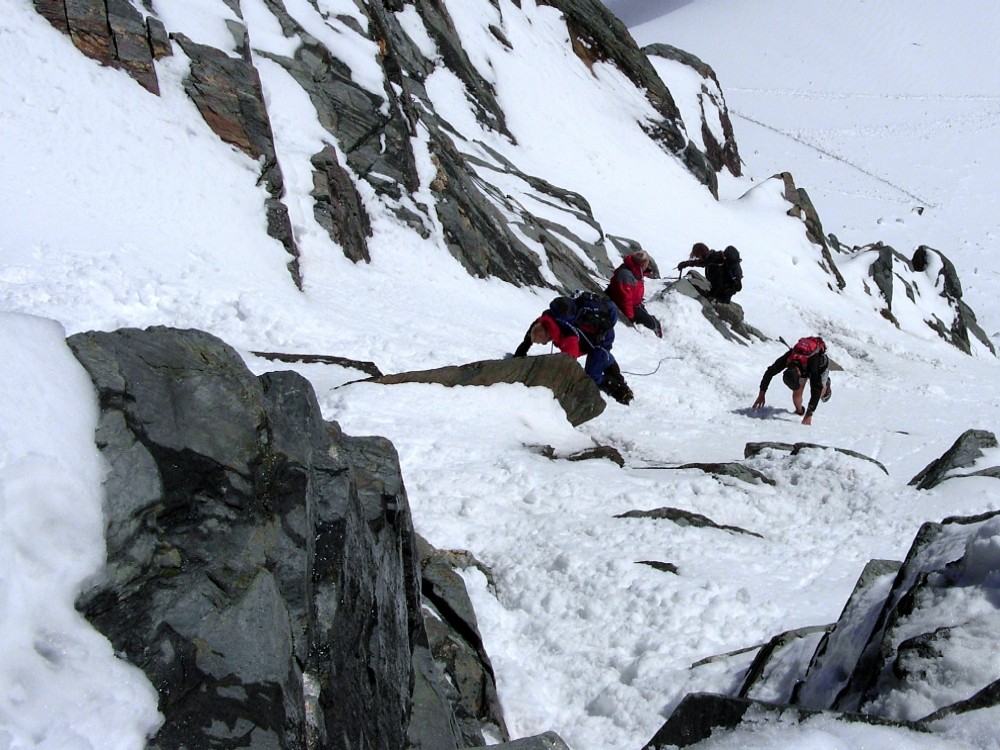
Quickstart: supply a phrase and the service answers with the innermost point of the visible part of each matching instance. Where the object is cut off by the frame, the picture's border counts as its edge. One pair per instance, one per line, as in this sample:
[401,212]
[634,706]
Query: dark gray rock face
[457,645]
[963,453]
[546,741]
[898,654]
[714,112]
[577,394]
[700,715]
[942,602]
[837,655]
[928,260]
[262,567]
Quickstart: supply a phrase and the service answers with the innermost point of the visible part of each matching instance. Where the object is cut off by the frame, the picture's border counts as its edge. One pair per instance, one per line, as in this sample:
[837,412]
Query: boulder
[576,393]
[963,453]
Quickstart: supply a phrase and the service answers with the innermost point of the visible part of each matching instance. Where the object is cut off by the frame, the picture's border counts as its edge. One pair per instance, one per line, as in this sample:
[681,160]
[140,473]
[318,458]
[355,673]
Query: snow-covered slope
[124,209]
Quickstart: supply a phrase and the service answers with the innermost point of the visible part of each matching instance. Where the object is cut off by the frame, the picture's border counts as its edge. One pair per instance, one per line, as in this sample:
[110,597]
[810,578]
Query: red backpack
[804,349]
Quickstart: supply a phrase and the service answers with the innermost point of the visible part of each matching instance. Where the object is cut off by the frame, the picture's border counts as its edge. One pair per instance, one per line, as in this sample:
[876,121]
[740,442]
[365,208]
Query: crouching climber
[582,325]
[806,362]
[627,289]
[723,270]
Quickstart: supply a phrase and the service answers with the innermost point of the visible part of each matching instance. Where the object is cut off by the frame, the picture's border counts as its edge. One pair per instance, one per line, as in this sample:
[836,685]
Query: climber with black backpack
[582,325]
[723,270]
[804,362]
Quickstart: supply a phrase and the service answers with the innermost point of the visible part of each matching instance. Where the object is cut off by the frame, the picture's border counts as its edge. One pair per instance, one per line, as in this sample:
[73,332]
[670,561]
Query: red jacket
[564,341]
[627,287]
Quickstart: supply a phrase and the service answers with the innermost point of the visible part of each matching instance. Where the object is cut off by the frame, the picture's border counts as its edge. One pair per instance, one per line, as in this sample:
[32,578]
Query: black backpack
[590,313]
[734,269]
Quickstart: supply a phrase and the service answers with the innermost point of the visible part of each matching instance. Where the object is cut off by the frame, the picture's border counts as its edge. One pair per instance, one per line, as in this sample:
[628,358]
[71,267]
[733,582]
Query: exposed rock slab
[109,31]
[963,453]
[732,469]
[457,645]
[752,449]
[684,518]
[370,368]
[576,393]
[837,655]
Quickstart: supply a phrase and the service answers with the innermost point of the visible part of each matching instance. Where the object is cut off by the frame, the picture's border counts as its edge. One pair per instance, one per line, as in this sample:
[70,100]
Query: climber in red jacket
[627,289]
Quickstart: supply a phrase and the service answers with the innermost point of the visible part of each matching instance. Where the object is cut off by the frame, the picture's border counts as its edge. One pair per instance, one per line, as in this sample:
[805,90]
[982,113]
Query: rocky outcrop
[547,741]
[111,32]
[802,208]
[228,93]
[752,449]
[370,368]
[929,282]
[716,130]
[726,317]
[457,645]
[732,469]
[576,393]
[963,454]
[898,653]
[684,518]
[262,568]
[597,452]
[598,35]
[941,271]
[701,715]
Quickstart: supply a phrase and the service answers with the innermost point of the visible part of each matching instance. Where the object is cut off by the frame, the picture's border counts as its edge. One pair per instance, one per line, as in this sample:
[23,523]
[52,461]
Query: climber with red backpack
[804,362]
